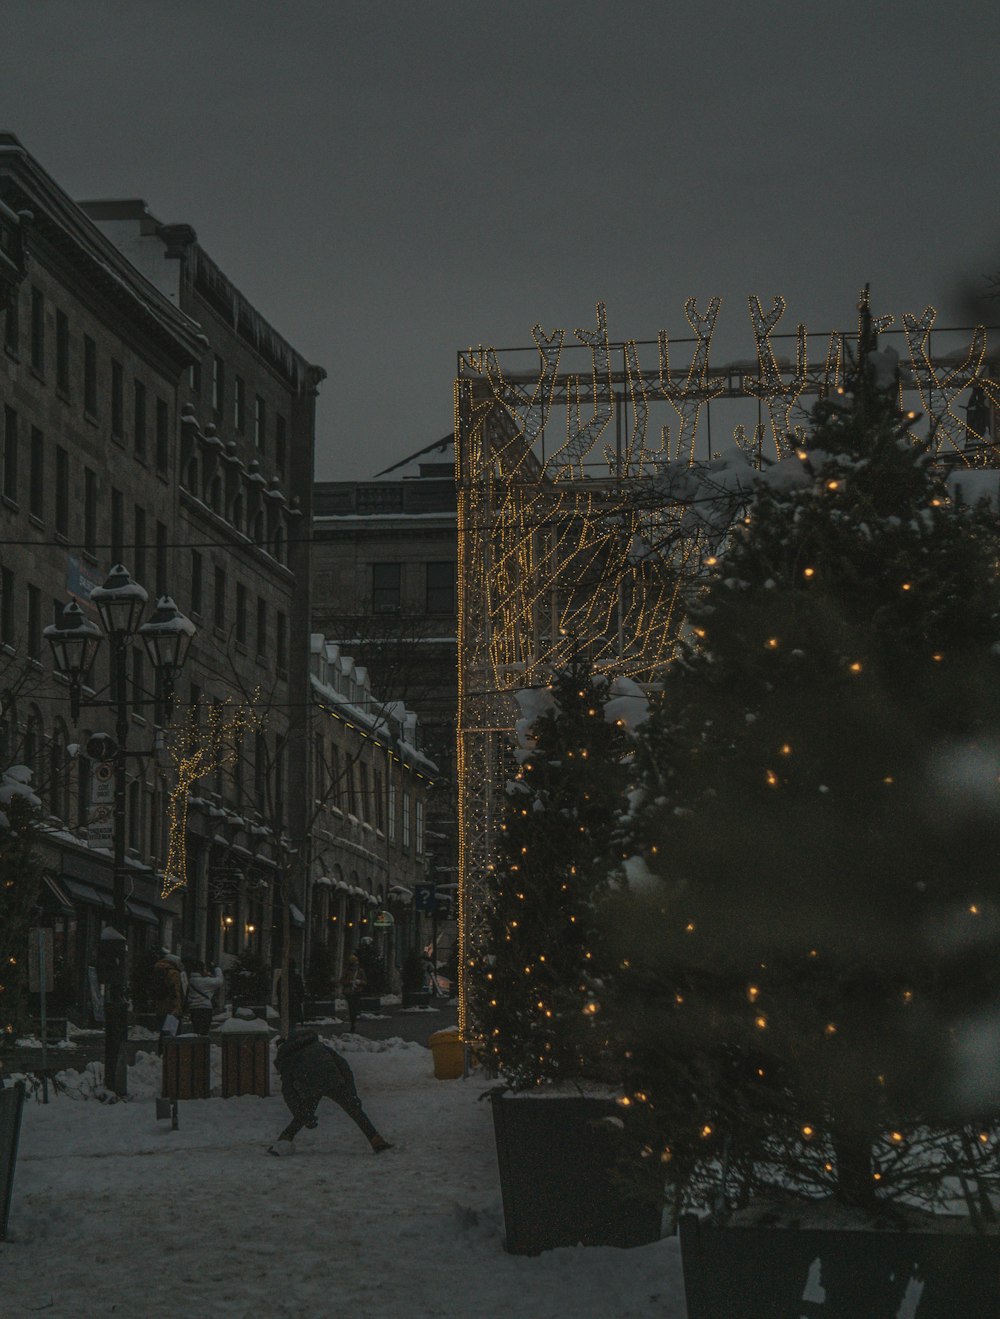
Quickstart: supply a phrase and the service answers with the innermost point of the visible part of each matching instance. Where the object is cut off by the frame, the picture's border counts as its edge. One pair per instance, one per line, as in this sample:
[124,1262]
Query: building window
[62,351]
[89,511]
[419,828]
[139,418]
[392,810]
[6,607]
[118,401]
[406,821]
[280,444]
[441,588]
[239,404]
[281,640]
[37,329]
[259,421]
[117,526]
[260,771]
[218,386]
[139,547]
[320,778]
[162,436]
[220,598]
[241,613]
[379,804]
[261,626]
[89,376]
[195,582]
[386,588]
[161,559]
[8,484]
[12,325]
[62,491]
[36,475]
[34,623]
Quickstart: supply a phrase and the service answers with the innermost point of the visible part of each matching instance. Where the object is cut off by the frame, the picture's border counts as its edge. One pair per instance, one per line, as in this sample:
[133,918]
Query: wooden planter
[567,1176]
[416,998]
[187,1072]
[786,1273]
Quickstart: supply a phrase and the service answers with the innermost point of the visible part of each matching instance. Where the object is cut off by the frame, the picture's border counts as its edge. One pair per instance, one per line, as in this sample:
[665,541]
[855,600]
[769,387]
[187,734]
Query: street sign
[423,898]
[101,826]
[40,968]
[383,921]
[102,782]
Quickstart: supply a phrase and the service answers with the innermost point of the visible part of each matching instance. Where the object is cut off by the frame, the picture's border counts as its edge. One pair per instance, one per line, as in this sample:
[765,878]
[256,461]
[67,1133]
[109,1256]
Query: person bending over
[308,1071]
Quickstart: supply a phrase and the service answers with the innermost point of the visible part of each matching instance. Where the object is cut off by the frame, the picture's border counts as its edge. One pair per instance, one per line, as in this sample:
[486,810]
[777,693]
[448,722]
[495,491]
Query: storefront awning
[141,912]
[54,899]
[85,893]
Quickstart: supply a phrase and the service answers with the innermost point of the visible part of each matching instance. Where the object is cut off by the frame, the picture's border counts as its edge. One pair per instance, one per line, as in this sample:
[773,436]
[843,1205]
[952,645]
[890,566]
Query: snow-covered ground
[114,1213]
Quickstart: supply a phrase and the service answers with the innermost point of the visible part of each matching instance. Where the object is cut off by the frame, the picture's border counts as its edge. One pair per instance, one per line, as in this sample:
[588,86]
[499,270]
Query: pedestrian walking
[169,992]
[203,986]
[353,983]
[309,1070]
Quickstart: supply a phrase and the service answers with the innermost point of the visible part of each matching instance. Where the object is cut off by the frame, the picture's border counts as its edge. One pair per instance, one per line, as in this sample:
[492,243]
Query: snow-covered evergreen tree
[815,926]
[536,978]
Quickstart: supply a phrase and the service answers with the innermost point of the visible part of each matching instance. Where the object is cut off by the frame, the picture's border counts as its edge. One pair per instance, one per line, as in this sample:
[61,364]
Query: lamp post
[74,641]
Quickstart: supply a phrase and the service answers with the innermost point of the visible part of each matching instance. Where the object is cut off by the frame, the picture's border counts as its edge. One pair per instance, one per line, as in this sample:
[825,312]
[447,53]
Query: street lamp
[74,641]
[167,638]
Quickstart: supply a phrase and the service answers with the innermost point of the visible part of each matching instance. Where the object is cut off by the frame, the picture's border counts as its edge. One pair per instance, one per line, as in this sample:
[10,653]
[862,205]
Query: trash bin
[187,1069]
[246,1056]
[448,1053]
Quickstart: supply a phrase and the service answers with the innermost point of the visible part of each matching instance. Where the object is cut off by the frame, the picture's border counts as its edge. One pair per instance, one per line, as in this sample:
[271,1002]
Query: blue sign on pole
[423,898]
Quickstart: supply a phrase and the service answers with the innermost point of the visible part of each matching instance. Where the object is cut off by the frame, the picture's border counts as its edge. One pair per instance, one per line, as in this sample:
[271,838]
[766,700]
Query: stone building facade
[83,335]
[384,563]
[371,788]
[151,416]
[244,482]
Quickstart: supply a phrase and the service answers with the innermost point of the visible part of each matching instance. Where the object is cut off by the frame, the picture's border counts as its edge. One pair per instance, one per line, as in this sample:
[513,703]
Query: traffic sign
[102,782]
[423,897]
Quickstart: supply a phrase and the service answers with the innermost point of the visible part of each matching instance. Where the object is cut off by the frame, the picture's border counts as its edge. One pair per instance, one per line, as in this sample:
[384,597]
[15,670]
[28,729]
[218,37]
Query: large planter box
[785,1273]
[416,998]
[369,1003]
[568,1177]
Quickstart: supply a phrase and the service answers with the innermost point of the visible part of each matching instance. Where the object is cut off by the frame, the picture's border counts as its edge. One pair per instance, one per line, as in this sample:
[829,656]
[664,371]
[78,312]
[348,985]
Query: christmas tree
[813,925]
[537,976]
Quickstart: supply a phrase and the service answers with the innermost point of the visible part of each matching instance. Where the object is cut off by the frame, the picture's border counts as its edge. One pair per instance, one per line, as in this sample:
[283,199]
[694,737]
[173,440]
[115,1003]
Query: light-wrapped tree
[813,922]
[536,978]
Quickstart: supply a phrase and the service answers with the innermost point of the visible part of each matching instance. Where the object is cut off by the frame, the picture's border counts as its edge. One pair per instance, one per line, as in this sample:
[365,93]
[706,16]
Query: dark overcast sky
[389,182]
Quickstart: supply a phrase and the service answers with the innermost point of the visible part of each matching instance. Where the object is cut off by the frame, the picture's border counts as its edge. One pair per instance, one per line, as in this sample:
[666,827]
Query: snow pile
[212,1225]
[15,782]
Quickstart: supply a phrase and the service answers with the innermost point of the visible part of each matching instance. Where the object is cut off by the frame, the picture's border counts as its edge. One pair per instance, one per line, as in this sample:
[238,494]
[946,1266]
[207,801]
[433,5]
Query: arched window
[34,734]
[215,494]
[237,514]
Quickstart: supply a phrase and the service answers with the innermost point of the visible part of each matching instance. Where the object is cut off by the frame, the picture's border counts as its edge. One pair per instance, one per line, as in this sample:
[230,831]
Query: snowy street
[114,1213]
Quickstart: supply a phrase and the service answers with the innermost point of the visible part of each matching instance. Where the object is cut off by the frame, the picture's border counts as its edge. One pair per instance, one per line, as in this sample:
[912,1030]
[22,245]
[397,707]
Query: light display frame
[577,546]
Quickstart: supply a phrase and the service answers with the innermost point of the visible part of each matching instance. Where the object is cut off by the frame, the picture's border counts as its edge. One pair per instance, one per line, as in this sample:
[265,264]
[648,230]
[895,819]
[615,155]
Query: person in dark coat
[308,1071]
